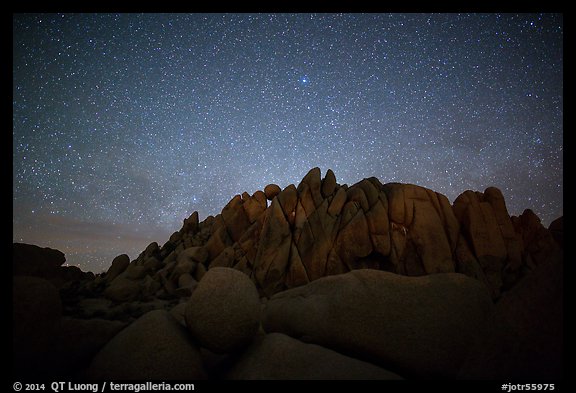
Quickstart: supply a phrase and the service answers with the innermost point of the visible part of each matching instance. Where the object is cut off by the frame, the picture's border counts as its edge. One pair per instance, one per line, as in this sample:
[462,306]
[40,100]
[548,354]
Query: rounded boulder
[119,265]
[271,190]
[223,313]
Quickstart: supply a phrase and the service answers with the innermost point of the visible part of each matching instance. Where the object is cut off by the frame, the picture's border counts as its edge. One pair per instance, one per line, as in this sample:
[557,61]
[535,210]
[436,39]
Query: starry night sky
[124,124]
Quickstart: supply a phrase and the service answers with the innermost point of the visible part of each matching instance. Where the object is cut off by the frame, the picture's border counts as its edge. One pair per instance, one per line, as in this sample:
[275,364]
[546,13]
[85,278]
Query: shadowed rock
[556,229]
[31,260]
[77,341]
[416,326]
[155,347]
[119,265]
[525,337]
[37,311]
[223,312]
[277,356]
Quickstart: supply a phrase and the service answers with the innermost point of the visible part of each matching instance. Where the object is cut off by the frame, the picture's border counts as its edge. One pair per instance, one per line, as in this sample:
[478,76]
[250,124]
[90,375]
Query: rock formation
[390,276]
[321,228]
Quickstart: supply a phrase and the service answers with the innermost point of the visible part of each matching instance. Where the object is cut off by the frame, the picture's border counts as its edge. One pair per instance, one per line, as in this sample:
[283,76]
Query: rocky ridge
[314,254]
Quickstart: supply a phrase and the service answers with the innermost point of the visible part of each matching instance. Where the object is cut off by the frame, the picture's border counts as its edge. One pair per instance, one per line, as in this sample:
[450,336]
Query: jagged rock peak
[283,238]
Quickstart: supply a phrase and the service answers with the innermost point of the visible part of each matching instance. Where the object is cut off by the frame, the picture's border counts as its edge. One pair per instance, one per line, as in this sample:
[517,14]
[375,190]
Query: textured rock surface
[415,326]
[155,347]
[277,356]
[223,313]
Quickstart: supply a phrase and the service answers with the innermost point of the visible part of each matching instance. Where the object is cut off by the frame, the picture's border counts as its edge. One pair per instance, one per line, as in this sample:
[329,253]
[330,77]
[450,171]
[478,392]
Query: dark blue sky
[124,124]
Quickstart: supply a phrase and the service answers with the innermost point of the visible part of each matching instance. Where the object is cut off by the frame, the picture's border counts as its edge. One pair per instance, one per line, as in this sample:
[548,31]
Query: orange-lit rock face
[321,228]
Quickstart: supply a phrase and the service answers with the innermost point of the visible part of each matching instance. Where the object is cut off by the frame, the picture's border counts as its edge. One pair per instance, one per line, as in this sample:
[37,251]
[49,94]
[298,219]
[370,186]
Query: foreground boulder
[37,311]
[419,327]
[77,341]
[277,356]
[154,347]
[36,306]
[528,339]
[223,313]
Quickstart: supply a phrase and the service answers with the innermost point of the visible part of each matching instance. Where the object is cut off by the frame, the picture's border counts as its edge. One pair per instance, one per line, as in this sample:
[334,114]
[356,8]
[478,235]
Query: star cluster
[124,124]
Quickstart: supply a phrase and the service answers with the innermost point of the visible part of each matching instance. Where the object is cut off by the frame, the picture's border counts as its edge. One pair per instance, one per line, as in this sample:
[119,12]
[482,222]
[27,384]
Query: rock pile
[383,281]
[321,228]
